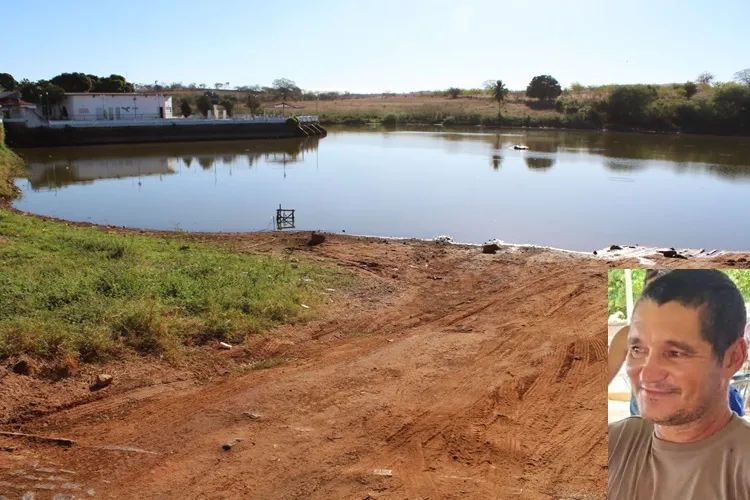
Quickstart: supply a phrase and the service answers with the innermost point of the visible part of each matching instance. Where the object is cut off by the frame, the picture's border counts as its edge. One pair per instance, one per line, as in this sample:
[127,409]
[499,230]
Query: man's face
[673,371]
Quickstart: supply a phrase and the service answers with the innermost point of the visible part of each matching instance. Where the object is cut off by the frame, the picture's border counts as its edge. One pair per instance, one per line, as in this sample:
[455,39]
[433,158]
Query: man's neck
[701,429]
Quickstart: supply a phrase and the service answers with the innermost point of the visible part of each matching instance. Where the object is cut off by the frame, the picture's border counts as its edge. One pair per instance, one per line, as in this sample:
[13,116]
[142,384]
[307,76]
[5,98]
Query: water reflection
[56,174]
[726,157]
[539,163]
[496,161]
[58,167]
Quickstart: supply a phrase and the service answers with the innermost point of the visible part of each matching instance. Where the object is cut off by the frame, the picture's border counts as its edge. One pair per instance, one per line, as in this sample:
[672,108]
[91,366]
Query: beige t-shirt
[644,467]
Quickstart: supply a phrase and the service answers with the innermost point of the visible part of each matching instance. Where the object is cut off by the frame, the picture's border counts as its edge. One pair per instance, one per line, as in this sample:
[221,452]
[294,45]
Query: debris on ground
[671,253]
[223,345]
[102,380]
[36,437]
[490,248]
[316,239]
[130,449]
[383,472]
[252,415]
[230,444]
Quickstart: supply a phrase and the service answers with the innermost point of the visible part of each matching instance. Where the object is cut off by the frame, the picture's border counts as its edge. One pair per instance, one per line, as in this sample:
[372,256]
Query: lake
[570,189]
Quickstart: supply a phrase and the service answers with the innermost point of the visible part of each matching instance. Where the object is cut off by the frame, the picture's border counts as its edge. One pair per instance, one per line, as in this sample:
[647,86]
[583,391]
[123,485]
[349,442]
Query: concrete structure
[13,109]
[110,118]
[113,107]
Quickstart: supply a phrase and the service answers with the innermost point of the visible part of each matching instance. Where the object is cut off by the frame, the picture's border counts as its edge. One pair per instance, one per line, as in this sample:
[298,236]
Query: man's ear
[736,355]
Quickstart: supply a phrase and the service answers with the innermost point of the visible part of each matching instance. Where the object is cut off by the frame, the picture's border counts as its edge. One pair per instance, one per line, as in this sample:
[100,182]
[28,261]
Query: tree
[498,91]
[284,89]
[253,103]
[742,76]
[705,78]
[218,85]
[53,94]
[228,104]
[112,83]
[543,87]
[73,82]
[29,90]
[690,89]
[454,92]
[488,84]
[7,82]
[203,103]
[185,108]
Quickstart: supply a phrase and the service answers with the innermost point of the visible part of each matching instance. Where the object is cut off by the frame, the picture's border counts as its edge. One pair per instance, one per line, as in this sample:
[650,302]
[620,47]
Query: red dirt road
[466,375]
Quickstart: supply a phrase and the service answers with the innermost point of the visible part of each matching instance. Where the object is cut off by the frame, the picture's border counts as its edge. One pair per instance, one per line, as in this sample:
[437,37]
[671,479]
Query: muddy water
[574,190]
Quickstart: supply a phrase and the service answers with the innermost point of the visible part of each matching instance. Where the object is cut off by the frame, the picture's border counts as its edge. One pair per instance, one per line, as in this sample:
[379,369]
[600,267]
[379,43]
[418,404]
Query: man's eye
[636,351]
[676,354]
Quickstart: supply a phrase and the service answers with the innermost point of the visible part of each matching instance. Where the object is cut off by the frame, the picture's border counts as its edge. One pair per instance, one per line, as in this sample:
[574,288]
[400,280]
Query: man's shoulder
[630,425]
[628,433]
[740,434]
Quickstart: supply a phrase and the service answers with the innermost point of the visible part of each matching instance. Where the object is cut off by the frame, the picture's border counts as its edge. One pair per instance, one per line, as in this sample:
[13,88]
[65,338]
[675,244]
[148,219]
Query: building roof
[13,99]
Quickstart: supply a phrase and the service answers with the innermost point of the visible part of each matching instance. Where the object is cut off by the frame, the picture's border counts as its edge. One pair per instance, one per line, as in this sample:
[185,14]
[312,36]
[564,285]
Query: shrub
[390,119]
[627,104]
[690,89]
[203,103]
[185,108]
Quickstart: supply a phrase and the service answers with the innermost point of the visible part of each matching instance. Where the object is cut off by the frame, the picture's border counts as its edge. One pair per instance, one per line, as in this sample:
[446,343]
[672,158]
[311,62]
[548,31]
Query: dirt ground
[445,373]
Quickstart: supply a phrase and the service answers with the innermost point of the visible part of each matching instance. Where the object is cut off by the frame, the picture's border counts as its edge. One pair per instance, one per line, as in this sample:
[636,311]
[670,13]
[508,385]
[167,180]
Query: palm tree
[498,91]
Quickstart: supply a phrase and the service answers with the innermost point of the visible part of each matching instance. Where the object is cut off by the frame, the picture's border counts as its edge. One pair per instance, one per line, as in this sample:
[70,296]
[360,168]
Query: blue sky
[372,46]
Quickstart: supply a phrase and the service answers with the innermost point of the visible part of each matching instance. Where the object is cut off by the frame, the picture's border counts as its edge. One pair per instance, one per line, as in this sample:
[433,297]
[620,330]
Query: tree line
[51,91]
[700,106]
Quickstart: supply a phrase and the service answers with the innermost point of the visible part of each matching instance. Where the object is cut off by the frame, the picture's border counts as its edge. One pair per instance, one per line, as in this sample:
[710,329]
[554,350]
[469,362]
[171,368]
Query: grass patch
[67,289]
[11,166]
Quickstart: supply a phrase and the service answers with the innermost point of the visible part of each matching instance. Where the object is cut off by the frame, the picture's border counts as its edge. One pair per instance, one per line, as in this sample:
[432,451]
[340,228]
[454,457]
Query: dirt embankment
[452,373]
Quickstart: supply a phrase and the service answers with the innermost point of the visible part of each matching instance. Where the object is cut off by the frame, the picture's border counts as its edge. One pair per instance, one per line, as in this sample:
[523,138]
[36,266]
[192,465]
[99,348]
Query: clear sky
[373,46]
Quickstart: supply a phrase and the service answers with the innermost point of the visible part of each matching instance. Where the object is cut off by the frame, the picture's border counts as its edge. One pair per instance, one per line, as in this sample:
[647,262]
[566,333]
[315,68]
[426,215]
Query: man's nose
[652,369]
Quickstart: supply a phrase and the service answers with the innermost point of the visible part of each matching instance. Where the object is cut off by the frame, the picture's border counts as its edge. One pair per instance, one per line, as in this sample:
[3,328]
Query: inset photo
[678,383]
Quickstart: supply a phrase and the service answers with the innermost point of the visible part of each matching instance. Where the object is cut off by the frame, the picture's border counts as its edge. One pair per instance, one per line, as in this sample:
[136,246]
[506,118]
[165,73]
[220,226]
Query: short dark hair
[721,306]
[652,274]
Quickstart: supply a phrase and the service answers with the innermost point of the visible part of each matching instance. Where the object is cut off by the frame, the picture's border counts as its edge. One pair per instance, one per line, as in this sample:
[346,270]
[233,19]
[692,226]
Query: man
[685,343]
[618,350]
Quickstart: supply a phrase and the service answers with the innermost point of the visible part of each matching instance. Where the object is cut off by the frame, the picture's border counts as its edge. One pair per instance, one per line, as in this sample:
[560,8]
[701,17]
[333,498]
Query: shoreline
[615,252]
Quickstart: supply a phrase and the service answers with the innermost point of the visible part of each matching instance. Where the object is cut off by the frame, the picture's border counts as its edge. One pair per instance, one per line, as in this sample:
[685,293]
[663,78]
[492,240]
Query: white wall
[116,106]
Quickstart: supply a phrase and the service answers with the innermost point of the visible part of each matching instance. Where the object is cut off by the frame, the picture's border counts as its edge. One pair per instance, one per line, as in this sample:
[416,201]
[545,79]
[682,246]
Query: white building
[113,106]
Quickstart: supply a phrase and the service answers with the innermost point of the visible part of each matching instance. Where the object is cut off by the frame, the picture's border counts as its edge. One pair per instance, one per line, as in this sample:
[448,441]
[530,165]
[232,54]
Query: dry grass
[380,107]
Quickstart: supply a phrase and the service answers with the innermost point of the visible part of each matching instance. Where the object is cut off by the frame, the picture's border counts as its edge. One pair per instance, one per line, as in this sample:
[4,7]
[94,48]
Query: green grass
[10,166]
[98,295]
[67,289]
